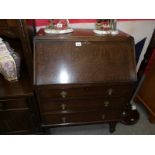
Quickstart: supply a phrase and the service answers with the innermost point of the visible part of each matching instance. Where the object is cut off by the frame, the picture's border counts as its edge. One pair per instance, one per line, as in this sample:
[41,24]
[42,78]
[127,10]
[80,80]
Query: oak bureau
[83,78]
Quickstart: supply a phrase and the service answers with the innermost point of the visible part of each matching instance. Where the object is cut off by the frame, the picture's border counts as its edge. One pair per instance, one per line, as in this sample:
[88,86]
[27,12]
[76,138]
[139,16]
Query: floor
[142,127]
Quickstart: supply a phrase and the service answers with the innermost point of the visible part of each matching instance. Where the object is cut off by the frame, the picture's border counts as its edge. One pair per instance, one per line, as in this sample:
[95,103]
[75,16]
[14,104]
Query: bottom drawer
[79,118]
[13,121]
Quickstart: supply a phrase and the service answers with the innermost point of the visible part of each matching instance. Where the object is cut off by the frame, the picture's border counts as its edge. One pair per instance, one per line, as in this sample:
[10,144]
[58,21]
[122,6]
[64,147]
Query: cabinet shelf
[20,88]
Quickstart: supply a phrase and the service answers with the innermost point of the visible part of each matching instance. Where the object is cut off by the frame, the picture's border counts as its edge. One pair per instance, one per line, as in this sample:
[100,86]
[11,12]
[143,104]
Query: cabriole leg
[112,126]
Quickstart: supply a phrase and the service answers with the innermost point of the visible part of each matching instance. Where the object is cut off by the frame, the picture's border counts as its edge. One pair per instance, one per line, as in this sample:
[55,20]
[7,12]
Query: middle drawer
[60,106]
[14,104]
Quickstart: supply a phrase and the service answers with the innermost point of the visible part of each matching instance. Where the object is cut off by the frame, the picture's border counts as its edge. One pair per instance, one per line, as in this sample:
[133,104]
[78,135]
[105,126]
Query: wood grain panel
[79,105]
[16,121]
[79,118]
[92,62]
[85,92]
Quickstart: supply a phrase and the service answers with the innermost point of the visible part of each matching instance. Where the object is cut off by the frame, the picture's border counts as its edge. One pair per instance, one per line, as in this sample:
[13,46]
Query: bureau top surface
[83,57]
[82,34]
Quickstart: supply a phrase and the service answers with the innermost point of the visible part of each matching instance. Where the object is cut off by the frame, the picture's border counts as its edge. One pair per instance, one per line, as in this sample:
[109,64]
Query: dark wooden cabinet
[83,78]
[18,109]
[17,116]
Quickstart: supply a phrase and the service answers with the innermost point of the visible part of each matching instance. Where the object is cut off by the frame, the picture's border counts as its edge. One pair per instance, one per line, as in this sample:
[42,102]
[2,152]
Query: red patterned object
[103,24]
[59,24]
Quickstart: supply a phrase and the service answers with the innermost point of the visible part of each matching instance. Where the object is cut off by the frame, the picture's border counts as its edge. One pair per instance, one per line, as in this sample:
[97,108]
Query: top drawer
[84,92]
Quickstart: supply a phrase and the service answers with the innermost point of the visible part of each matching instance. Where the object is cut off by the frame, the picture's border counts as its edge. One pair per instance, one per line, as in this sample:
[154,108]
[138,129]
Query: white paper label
[78,44]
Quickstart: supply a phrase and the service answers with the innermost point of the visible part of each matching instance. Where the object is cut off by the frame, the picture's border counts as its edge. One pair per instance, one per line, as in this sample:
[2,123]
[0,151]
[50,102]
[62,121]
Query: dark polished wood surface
[18,109]
[20,88]
[16,121]
[84,91]
[83,78]
[82,34]
[80,118]
[13,104]
[17,115]
[23,86]
[92,62]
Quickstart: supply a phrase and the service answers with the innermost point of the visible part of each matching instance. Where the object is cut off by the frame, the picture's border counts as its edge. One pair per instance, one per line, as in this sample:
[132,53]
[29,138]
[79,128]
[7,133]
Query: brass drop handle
[103,116]
[63,94]
[64,119]
[110,91]
[106,103]
[63,106]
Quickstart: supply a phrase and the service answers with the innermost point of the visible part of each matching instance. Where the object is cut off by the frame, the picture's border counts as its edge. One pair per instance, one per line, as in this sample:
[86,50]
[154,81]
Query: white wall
[139,30]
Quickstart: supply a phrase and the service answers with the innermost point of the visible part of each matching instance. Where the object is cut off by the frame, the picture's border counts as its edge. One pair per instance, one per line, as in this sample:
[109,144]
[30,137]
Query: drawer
[84,92]
[13,104]
[79,118]
[81,105]
[14,121]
